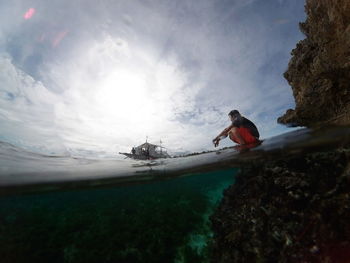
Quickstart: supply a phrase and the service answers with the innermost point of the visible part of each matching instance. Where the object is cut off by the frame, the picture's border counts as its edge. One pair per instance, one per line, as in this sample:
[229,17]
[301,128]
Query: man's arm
[225,131]
[222,135]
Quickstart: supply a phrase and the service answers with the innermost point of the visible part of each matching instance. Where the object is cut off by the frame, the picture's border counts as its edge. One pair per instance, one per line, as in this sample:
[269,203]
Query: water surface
[22,171]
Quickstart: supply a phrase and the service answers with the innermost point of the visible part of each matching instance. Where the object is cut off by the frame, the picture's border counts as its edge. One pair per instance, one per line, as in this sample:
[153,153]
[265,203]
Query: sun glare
[123,94]
[124,98]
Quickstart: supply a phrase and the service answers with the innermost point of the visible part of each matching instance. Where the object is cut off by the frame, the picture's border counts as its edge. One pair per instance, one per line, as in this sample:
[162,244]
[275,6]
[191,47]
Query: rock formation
[297,209]
[319,71]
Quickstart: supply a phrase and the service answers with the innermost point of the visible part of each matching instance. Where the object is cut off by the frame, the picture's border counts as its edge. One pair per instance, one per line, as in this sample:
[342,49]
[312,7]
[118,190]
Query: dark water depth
[159,222]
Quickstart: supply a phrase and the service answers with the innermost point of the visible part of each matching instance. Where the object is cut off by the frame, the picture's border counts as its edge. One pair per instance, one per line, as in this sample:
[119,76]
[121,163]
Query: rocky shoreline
[297,209]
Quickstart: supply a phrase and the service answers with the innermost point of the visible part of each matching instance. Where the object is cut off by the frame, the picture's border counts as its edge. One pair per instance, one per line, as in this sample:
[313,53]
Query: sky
[99,76]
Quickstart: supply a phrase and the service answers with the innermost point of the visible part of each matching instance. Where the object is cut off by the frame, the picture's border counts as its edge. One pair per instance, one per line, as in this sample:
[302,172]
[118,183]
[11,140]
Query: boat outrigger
[147,151]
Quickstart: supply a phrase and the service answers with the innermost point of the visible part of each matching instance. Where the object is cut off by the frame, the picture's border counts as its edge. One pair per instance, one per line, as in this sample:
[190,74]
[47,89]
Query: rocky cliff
[319,71]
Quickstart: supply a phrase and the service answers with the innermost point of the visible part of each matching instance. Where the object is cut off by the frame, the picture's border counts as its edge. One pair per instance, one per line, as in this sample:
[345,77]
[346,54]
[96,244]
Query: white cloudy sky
[101,75]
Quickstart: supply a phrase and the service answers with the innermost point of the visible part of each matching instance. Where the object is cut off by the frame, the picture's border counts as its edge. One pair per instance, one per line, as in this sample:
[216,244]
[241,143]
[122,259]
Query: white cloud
[27,109]
[124,70]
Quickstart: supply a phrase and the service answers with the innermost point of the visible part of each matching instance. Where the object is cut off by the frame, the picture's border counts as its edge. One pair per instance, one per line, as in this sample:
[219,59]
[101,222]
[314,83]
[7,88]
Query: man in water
[241,131]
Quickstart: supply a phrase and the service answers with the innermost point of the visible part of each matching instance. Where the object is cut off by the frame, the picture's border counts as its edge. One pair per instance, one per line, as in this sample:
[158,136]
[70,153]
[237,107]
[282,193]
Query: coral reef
[290,210]
[319,71]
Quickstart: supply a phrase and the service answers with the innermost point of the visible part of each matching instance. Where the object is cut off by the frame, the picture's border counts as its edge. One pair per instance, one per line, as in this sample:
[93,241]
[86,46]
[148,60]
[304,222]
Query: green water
[164,221]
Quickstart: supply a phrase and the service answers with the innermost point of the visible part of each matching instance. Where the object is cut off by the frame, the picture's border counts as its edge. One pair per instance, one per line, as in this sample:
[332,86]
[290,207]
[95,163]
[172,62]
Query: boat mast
[161,149]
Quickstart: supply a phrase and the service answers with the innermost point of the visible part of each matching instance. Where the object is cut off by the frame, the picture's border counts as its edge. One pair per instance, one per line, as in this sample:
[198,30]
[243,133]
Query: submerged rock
[291,210]
[319,71]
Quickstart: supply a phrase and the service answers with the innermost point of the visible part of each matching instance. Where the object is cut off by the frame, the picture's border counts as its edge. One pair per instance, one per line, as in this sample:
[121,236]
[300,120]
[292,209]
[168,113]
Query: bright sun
[123,92]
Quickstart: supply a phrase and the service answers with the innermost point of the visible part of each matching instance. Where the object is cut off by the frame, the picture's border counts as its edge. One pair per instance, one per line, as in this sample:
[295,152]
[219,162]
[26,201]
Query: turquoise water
[165,221]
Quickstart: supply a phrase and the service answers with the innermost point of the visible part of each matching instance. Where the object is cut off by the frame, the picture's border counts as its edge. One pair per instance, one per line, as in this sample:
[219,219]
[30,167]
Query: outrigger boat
[147,151]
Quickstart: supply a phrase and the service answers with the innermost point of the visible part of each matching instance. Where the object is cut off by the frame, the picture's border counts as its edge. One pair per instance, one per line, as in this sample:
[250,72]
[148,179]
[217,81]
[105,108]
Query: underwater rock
[290,210]
[319,70]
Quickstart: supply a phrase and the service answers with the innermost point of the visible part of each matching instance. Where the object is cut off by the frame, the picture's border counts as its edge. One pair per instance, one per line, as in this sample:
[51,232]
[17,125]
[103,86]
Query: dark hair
[234,113]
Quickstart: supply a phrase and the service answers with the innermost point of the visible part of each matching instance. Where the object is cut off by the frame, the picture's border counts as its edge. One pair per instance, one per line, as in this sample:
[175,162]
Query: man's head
[234,114]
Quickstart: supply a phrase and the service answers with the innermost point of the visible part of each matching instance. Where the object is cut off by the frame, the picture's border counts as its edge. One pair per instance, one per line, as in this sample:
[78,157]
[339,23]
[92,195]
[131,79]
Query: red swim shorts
[245,134]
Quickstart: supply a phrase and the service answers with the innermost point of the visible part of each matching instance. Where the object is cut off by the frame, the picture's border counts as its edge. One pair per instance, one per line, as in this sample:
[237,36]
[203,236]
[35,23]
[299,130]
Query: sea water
[164,221]
[64,209]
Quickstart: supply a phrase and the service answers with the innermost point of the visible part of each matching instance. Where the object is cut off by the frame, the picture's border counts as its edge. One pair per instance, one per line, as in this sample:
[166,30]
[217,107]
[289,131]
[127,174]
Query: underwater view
[156,222]
[145,131]
[110,214]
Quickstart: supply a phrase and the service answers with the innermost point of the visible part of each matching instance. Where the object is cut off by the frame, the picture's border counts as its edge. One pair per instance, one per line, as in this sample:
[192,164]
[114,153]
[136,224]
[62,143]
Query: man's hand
[216,142]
